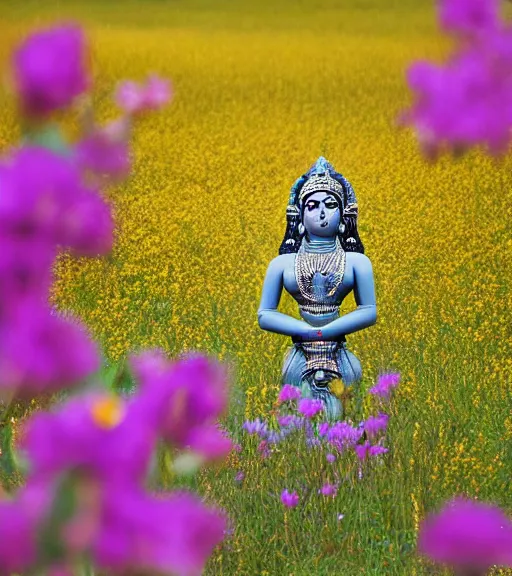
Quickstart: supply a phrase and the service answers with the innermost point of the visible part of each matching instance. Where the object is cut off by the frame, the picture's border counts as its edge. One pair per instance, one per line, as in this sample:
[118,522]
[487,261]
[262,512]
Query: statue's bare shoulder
[358,261]
[282,262]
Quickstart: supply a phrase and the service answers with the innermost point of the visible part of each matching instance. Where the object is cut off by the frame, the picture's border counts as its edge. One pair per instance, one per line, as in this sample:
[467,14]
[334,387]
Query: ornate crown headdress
[322,177]
[321,183]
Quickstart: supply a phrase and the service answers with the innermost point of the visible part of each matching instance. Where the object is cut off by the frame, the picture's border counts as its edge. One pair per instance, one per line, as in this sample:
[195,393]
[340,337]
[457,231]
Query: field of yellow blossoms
[262,89]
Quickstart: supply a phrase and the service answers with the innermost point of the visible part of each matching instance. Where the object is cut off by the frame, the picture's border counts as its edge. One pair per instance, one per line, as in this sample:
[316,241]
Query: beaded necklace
[310,261]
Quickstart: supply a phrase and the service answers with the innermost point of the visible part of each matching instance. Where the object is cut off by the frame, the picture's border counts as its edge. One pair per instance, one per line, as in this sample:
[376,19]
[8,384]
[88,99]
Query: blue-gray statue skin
[320,263]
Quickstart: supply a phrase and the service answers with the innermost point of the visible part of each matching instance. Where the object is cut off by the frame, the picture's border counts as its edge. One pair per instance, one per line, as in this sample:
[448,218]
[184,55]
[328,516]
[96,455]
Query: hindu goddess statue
[321,260]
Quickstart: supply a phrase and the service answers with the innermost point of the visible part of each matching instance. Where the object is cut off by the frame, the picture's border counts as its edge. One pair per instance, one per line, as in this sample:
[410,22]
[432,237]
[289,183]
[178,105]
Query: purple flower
[290,500]
[19,521]
[466,102]
[313,442]
[255,427]
[41,353]
[366,449]
[172,534]
[187,397]
[290,421]
[157,93]
[50,69]
[274,437]
[377,450]
[104,155]
[385,383]
[130,96]
[323,428]
[328,490]
[310,407]
[240,476]
[289,392]
[119,526]
[330,458]
[343,435]
[25,269]
[467,534]
[43,200]
[86,429]
[264,449]
[285,420]
[135,98]
[376,424]
[210,442]
[107,443]
[469,16]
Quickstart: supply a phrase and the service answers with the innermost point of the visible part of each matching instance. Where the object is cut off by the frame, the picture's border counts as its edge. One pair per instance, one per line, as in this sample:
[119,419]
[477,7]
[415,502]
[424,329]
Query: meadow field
[262,89]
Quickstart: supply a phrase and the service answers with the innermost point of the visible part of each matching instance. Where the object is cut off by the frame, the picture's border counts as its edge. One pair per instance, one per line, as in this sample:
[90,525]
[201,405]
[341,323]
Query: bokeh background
[262,89]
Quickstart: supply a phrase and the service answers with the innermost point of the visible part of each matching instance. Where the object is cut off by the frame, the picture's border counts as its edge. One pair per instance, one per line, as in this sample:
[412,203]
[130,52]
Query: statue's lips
[324,224]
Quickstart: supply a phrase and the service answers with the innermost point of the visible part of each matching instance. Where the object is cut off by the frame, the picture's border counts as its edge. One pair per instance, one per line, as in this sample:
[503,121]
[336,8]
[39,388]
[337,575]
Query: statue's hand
[309,335]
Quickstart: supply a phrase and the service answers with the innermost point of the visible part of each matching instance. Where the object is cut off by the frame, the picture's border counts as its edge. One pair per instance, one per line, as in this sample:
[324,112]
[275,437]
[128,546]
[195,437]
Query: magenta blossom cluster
[104,151]
[135,98]
[375,424]
[386,383]
[106,446]
[188,397]
[289,393]
[466,102]
[44,206]
[89,460]
[469,18]
[310,407]
[50,70]
[49,202]
[468,535]
[289,499]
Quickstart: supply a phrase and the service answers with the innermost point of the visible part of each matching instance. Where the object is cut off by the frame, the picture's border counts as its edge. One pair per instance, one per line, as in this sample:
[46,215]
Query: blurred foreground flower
[44,206]
[50,70]
[99,448]
[88,461]
[187,398]
[467,101]
[469,17]
[135,98]
[42,353]
[103,153]
[469,536]
[126,530]
[45,201]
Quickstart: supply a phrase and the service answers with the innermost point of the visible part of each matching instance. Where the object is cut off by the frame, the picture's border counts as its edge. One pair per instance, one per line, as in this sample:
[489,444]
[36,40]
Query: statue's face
[322,215]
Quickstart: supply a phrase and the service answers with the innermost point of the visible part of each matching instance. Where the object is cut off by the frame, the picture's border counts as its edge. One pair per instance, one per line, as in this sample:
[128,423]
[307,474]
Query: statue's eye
[331,205]
[311,206]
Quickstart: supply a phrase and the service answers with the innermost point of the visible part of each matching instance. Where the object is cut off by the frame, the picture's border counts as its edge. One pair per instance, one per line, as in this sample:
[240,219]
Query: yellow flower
[337,387]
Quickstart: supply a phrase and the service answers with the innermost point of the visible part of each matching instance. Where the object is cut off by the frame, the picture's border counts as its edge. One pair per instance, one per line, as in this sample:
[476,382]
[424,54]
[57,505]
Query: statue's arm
[268,316]
[366,312]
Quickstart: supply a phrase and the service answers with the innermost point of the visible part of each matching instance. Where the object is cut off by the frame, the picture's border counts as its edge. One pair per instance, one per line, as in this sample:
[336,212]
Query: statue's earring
[301,229]
[342,228]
